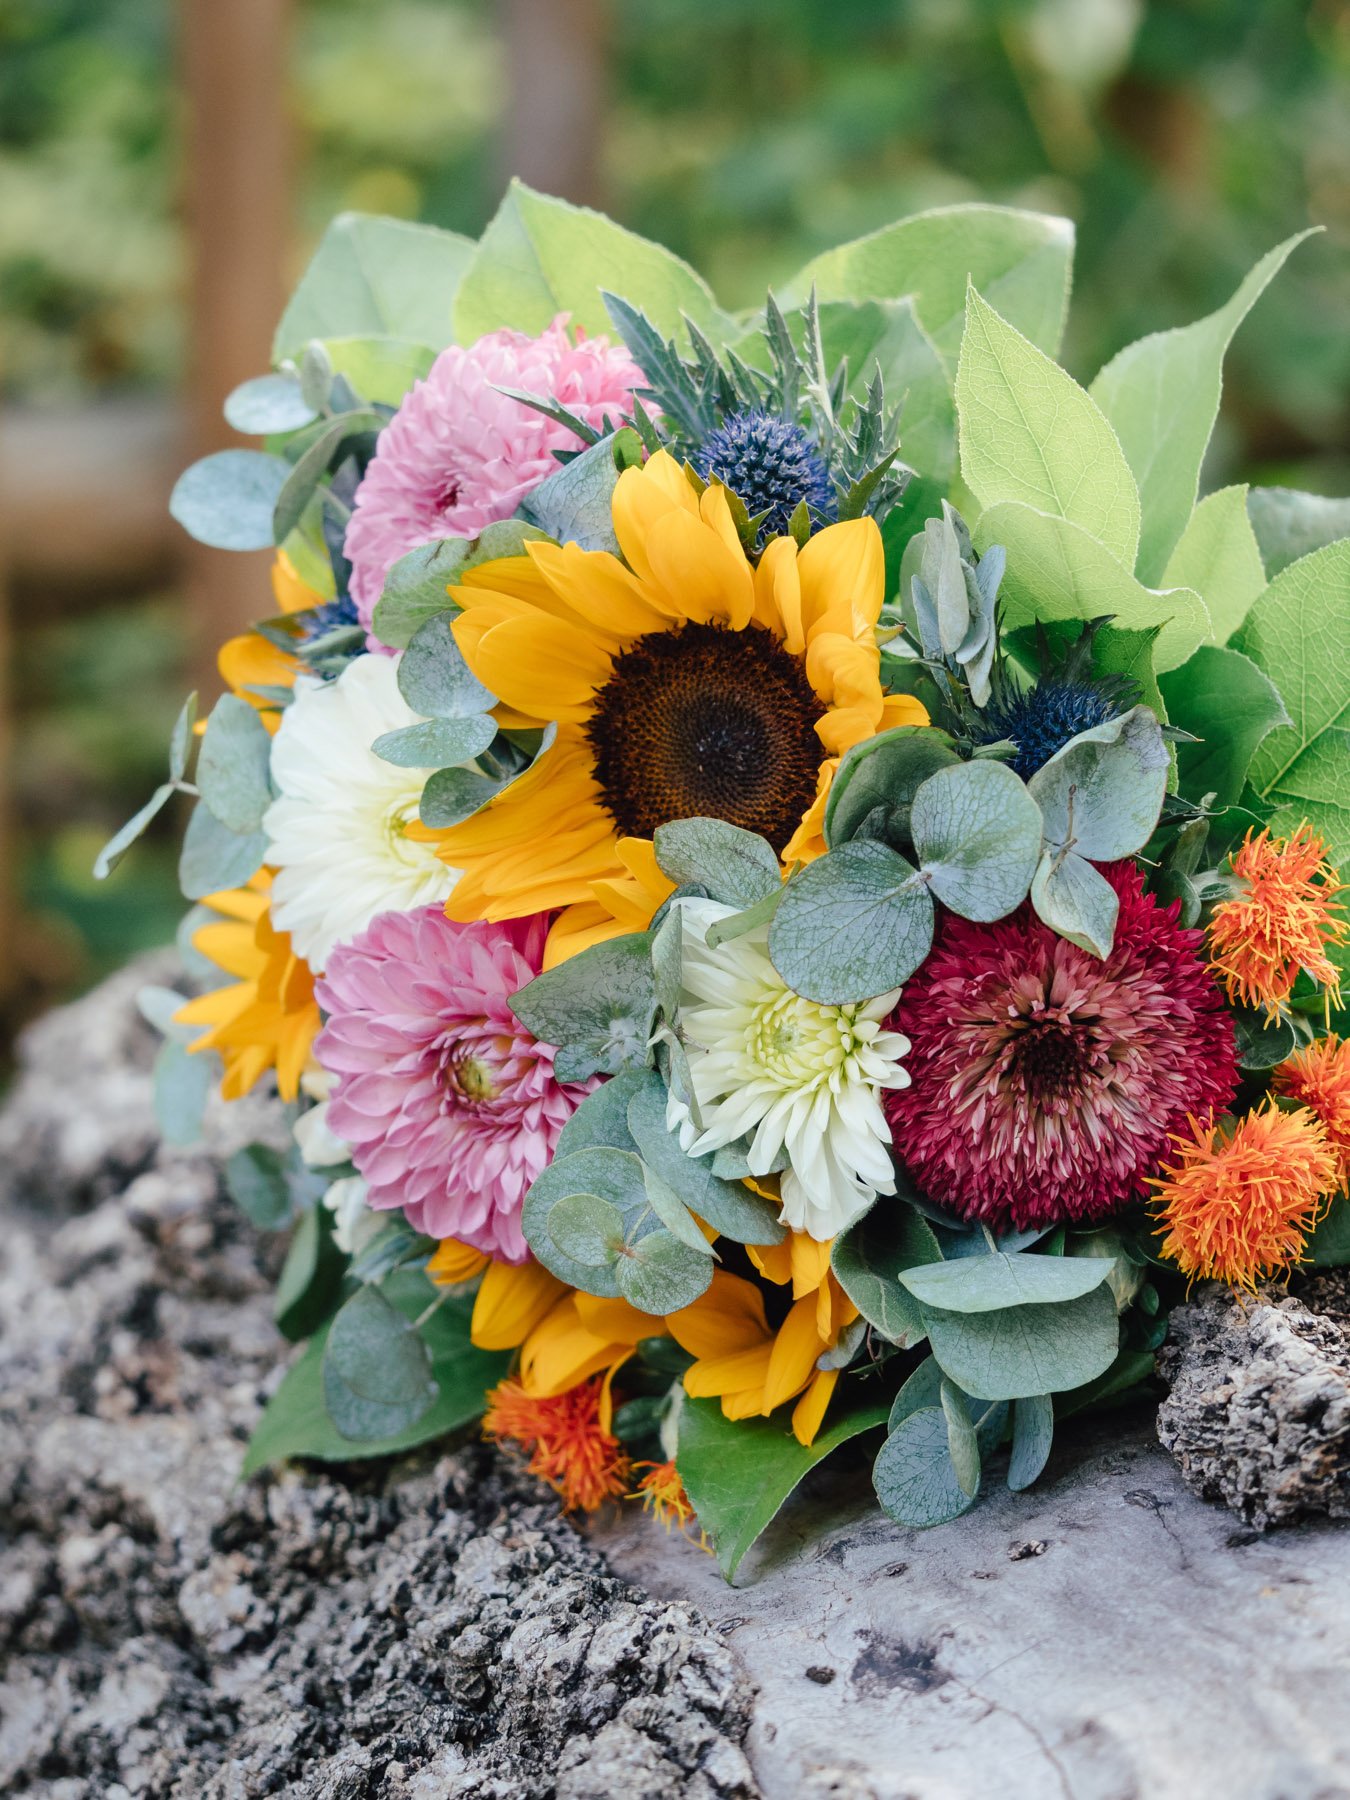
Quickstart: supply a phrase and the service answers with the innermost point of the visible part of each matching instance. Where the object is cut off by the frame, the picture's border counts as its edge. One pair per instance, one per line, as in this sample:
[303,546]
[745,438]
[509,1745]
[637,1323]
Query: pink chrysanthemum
[1045,1083]
[450,1106]
[459,455]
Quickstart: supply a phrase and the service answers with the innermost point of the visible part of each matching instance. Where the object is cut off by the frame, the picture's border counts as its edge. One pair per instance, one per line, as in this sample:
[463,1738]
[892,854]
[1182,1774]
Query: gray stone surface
[433,1629]
[1259,1410]
[1105,1636]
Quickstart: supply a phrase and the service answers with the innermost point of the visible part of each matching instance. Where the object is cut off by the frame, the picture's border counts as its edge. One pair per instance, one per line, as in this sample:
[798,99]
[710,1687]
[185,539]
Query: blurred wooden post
[556,54]
[234,60]
[9,895]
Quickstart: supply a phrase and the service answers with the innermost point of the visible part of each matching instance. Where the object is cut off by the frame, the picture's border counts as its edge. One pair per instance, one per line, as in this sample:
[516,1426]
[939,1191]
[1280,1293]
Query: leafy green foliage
[1030,434]
[373,277]
[310,1277]
[598,1006]
[417,588]
[1289,524]
[1224,700]
[1298,632]
[1217,557]
[1021,1350]
[256,1179]
[1161,395]
[736,867]
[868,1260]
[540,257]
[739,1472]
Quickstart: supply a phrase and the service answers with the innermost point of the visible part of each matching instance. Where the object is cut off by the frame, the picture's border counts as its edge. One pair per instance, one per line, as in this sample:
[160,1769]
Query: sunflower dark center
[707,723]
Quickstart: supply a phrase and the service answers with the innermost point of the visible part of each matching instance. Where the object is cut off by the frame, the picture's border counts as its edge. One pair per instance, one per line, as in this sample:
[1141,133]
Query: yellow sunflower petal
[794,1353]
[728,1317]
[711,1376]
[511,1301]
[809,1412]
[542,666]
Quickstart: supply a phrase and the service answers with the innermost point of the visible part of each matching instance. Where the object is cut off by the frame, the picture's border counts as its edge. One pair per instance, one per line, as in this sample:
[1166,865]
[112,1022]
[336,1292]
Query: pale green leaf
[914,1476]
[868,1258]
[1024,1350]
[1161,395]
[540,257]
[1289,524]
[1020,262]
[1299,633]
[374,277]
[1058,571]
[1225,701]
[1217,556]
[1000,1279]
[1033,1433]
[1029,433]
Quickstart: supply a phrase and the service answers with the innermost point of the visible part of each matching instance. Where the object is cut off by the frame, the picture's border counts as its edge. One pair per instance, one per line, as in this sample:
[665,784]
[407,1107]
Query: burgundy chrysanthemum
[1044,1082]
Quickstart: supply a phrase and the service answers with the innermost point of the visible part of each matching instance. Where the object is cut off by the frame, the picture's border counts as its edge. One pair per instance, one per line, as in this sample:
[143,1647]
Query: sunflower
[266,1017]
[685,681]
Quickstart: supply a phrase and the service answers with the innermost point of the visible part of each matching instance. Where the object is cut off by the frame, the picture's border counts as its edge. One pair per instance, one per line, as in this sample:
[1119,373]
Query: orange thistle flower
[1284,921]
[1240,1201]
[1318,1077]
[568,1437]
[662,1494]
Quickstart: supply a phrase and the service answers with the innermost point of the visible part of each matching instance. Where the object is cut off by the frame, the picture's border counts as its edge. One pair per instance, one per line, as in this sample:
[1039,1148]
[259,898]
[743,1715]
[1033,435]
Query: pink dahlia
[458,455]
[1045,1083]
[450,1106]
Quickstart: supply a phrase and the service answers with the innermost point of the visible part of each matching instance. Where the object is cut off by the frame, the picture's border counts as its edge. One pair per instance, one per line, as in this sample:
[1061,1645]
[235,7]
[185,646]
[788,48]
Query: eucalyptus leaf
[437,743]
[1101,793]
[575,504]
[962,1445]
[587,1229]
[268,404]
[126,835]
[1329,1245]
[914,1477]
[602,1117]
[673,1213]
[884,771]
[990,1283]
[182,1086]
[1033,1434]
[738,868]
[377,1378]
[1262,1042]
[867,1261]
[1023,1350]
[182,738]
[660,1274]
[852,925]
[227,499]
[608,1174]
[214,857]
[256,1180]
[433,676]
[732,1208]
[601,1002]
[233,765]
[311,1276]
[977,835]
[453,795]
[1075,900]
[417,588]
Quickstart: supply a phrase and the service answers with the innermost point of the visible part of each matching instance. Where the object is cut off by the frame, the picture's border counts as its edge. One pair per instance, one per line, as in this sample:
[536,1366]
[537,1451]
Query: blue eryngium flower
[1046,716]
[328,617]
[770,464]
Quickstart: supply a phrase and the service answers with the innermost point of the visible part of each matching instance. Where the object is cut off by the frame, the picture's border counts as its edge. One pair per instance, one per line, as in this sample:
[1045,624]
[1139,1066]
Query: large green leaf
[1218,557]
[739,1472]
[374,277]
[377,1378]
[852,925]
[977,1284]
[1020,262]
[1161,394]
[1289,524]
[1299,633]
[296,1422]
[1029,433]
[540,257]
[1230,705]
[915,1474]
[1056,570]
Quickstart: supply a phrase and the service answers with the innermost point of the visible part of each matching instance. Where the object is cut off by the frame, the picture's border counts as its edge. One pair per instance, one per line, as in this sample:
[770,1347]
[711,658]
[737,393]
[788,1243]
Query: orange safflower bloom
[267,1016]
[662,1494]
[568,1438]
[1318,1077]
[1284,921]
[1239,1202]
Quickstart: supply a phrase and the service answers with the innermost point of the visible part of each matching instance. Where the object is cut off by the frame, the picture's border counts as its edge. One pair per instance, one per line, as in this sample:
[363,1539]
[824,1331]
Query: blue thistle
[1046,716]
[318,621]
[771,464]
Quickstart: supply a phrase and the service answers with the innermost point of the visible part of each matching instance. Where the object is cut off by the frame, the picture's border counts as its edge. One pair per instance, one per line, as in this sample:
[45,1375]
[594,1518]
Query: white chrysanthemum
[798,1076]
[336,835]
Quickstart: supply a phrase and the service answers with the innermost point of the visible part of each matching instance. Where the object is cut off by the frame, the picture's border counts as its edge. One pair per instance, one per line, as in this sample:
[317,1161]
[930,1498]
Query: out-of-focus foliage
[1185,137]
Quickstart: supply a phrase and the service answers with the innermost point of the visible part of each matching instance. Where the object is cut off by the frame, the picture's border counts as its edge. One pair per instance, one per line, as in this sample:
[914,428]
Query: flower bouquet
[783,865]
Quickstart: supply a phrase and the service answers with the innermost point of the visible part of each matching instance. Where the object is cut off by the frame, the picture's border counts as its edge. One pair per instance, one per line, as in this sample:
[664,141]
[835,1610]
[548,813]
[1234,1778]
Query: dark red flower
[1045,1082]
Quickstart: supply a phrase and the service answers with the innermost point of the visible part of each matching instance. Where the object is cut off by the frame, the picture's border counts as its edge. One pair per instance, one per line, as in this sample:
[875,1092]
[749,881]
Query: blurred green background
[1183,136]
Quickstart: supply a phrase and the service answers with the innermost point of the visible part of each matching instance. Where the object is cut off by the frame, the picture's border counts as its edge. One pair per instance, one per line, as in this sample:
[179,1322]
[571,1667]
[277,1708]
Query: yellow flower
[684,680]
[267,1017]
[752,1368]
[249,662]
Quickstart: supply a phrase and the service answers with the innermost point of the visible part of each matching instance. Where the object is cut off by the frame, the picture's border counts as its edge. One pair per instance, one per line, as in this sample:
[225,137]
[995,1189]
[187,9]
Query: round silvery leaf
[913,1475]
[1076,901]
[227,500]
[853,925]
[658,1274]
[608,1174]
[885,771]
[587,1228]
[977,835]
[266,404]
[1103,791]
